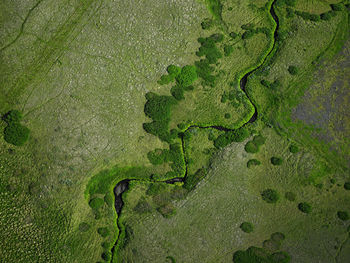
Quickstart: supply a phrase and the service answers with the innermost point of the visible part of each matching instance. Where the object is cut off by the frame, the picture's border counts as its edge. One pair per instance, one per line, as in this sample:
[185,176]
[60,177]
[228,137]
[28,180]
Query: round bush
[16,134]
[270,196]
[305,207]
[247,227]
[290,196]
[251,147]
[347,185]
[253,162]
[276,160]
[293,149]
[293,70]
[12,116]
[103,231]
[96,203]
[343,215]
[173,70]
[187,76]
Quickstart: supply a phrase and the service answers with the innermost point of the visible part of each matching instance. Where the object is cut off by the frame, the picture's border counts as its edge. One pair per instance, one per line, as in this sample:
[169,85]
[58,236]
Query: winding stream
[123,185]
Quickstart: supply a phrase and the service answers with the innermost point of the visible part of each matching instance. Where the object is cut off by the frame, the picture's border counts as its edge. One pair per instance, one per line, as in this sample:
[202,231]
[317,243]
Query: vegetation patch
[270,196]
[15,133]
[305,207]
[276,160]
[228,137]
[247,227]
[290,196]
[253,162]
[343,215]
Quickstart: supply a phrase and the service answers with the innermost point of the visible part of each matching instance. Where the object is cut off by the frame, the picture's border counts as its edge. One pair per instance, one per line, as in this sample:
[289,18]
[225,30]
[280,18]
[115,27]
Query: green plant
[253,162]
[207,24]
[107,256]
[187,76]
[337,7]
[108,198]
[208,48]
[270,196]
[228,49]
[293,148]
[226,138]
[293,70]
[177,92]
[276,160]
[204,71]
[251,147]
[343,215]
[173,70]
[96,203]
[142,207]
[347,185]
[305,207]
[233,35]
[16,134]
[103,231]
[193,179]
[12,116]
[247,227]
[227,115]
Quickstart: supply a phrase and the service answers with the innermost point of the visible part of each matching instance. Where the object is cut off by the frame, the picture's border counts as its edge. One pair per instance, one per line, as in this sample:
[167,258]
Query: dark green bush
[158,108]
[172,259]
[290,12]
[270,196]
[227,115]
[204,71]
[327,16]
[158,128]
[142,207]
[105,245]
[305,207]
[175,155]
[293,148]
[251,147]
[12,116]
[96,203]
[278,237]
[208,48]
[293,70]
[343,215]
[103,231]
[173,70]
[215,8]
[83,227]
[290,196]
[226,138]
[276,160]
[280,257]
[308,16]
[265,83]
[228,50]
[158,156]
[290,2]
[347,185]
[248,34]
[337,7]
[177,92]
[187,76]
[16,134]
[165,79]
[247,227]
[155,188]
[248,26]
[253,162]
[107,256]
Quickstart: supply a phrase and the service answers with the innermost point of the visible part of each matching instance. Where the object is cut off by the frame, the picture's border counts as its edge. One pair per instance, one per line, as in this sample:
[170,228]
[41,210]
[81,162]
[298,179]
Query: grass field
[87,76]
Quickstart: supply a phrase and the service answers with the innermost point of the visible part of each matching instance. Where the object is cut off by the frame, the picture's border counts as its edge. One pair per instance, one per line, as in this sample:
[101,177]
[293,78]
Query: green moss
[247,227]
[343,215]
[253,162]
[305,207]
[103,231]
[96,203]
[270,196]
[276,160]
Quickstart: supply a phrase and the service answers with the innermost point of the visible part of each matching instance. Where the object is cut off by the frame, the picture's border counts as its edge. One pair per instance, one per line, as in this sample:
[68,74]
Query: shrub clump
[107,256]
[228,49]
[207,23]
[293,148]
[276,160]
[343,215]
[226,138]
[96,203]
[209,49]
[290,196]
[270,196]
[103,231]
[251,147]
[337,7]
[193,179]
[187,76]
[305,207]
[15,133]
[347,185]
[259,255]
[293,70]
[253,162]
[247,227]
